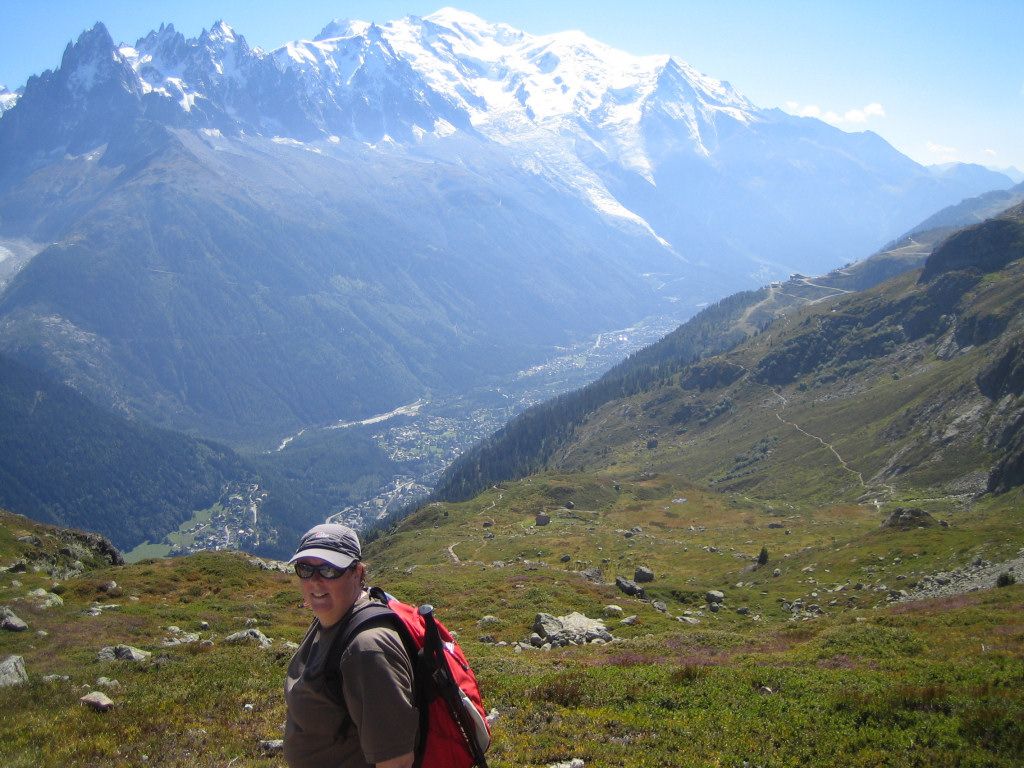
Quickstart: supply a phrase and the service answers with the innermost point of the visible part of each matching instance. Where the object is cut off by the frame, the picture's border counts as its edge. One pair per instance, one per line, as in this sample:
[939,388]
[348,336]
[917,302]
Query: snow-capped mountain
[7,99]
[334,227]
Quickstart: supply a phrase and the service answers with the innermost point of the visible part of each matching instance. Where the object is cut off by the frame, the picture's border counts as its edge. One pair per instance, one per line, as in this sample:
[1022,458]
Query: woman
[372,720]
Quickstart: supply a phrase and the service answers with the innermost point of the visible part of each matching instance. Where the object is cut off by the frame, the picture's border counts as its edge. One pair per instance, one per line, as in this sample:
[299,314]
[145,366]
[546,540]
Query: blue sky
[940,80]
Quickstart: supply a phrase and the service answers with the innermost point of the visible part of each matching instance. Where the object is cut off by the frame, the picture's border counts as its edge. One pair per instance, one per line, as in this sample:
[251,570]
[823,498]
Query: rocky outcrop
[905,518]
[572,629]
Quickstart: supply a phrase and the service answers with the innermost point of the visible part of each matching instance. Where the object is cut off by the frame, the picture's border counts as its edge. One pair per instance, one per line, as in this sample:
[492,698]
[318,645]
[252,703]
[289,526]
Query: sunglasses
[326,571]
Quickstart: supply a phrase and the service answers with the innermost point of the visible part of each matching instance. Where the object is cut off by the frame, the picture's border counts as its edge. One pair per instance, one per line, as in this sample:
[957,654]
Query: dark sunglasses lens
[306,571]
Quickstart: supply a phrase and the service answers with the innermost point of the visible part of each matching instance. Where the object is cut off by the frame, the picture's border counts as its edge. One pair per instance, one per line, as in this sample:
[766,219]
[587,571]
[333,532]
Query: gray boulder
[572,629]
[715,596]
[643,575]
[542,518]
[905,518]
[45,599]
[12,671]
[631,588]
[122,653]
[97,700]
[10,622]
[251,636]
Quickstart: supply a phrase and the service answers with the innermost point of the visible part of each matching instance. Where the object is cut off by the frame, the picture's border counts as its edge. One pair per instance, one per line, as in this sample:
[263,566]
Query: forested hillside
[66,461]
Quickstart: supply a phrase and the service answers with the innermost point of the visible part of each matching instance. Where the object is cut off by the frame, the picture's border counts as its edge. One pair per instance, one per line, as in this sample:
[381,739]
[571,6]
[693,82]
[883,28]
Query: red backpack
[453,723]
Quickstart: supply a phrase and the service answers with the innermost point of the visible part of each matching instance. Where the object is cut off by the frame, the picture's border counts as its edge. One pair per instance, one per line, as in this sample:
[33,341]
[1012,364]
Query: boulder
[612,611]
[45,599]
[10,622]
[98,701]
[251,636]
[905,518]
[715,596]
[572,629]
[122,653]
[631,588]
[12,671]
[542,518]
[643,575]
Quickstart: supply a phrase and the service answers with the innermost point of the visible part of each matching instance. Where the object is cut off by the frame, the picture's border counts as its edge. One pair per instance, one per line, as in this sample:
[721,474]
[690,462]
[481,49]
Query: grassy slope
[865,684]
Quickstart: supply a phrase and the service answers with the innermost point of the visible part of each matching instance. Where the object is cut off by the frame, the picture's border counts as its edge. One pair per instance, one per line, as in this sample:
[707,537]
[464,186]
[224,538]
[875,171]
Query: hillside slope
[908,391]
[527,443]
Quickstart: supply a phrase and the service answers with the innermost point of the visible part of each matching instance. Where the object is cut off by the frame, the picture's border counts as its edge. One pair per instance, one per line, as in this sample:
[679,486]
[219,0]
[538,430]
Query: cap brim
[337,559]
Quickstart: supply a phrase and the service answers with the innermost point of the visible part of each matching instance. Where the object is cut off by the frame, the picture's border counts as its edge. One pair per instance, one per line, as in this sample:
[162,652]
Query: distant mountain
[530,441]
[238,243]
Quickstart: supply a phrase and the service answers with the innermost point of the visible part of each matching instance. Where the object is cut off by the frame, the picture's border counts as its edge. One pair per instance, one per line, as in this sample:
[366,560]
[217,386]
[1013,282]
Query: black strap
[448,689]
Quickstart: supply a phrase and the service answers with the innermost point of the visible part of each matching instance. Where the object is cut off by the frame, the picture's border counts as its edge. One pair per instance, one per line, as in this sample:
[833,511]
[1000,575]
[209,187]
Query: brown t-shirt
[378,721]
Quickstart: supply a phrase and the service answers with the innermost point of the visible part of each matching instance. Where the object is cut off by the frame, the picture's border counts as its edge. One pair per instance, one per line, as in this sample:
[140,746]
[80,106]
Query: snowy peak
[8,98]
[92,61]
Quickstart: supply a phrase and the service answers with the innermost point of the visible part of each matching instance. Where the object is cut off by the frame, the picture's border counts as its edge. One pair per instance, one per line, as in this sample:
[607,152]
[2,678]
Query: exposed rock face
[906,518]
[573,629]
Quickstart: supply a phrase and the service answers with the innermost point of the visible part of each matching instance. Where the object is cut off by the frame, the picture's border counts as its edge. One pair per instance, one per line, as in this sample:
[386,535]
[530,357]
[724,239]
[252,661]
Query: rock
[272,746]
[714,607]
[45,599]
[570,505]
[19,566]
[12,671]
[565,558]
[715,596]
[10,622]
[629,621]
[572,629]
[251,636]
[542,518]
[106,682]
[743,611]
[688,619]
[56,679]
[178,636]
[777,572]
[659,606]
[631,588]
[122,653]
[111,588]
[489,621]
[574,763]
[98,701]
[612,611]
[643,575]
[905,518]
[593,574]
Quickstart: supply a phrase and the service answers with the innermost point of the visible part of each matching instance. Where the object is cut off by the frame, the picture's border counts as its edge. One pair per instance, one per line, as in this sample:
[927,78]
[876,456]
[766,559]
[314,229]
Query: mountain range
[239,244]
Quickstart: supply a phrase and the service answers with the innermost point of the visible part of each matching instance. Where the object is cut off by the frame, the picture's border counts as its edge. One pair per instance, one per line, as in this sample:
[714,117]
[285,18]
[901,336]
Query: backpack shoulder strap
[371,614]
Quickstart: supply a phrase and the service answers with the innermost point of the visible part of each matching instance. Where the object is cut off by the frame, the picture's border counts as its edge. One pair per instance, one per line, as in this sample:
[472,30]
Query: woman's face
[330,599]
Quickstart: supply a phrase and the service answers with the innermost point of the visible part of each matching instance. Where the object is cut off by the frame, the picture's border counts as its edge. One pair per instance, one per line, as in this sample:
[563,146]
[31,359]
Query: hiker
[374,720]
